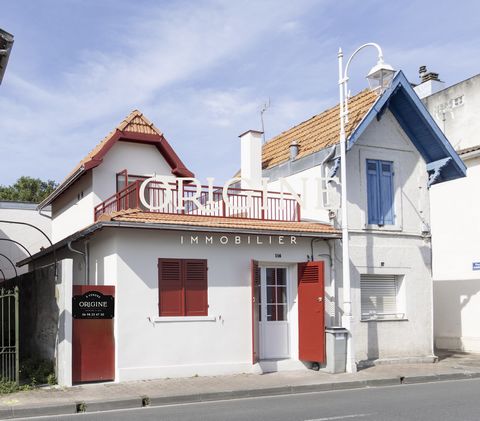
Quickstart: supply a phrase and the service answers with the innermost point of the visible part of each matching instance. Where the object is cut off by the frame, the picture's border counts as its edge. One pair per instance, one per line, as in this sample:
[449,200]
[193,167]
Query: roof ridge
[130,121]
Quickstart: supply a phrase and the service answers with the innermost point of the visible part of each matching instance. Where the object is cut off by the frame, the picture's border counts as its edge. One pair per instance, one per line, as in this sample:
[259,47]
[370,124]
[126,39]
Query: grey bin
[336,349]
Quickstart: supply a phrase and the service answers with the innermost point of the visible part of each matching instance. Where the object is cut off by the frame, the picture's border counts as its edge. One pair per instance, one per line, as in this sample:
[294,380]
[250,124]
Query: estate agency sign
[93,305]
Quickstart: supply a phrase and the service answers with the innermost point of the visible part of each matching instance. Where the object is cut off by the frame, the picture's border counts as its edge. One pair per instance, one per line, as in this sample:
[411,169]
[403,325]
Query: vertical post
[137,194]
[347,295]
[17,338]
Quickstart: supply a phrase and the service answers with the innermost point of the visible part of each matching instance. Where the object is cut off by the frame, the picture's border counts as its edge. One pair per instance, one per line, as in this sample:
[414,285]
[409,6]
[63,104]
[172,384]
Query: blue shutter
[380,192]
[373,192]
[386,192]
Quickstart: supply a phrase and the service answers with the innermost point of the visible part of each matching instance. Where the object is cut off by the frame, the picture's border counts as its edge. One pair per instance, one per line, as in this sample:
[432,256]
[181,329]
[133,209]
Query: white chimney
[429,83]
[251,159]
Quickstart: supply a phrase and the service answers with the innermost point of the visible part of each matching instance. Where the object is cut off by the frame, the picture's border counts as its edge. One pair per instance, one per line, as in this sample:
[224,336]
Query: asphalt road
[449,400]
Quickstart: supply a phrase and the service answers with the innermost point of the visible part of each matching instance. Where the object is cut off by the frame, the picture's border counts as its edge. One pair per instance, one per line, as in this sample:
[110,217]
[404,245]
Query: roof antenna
[264,108]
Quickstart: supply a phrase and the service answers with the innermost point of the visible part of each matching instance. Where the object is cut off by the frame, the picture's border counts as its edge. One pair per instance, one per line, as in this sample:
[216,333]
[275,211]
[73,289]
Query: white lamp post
[379,79]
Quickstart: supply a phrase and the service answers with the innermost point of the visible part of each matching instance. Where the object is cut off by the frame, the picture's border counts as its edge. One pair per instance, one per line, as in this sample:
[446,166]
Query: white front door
[274,339]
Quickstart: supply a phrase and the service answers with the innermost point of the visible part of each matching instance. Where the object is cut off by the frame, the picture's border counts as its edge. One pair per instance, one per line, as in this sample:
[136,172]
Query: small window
[182,287]
[380,192]
[381,297]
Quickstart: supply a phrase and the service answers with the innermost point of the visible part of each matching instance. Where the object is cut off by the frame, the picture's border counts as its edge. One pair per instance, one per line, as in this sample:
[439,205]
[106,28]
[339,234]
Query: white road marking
[340,417]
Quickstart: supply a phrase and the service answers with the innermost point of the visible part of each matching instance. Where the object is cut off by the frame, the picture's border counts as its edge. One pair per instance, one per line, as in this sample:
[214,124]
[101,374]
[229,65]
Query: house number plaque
[93,305]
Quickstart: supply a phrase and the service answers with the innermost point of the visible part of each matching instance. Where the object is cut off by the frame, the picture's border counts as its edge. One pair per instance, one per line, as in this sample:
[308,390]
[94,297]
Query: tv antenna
[266,105]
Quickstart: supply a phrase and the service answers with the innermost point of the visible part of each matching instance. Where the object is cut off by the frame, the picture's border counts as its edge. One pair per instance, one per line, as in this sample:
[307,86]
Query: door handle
[320,299]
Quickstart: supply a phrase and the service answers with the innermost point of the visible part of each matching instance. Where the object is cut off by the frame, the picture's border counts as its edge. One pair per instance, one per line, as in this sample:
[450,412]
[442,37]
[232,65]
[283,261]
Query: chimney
[251,159]
[429,83]
[293,149]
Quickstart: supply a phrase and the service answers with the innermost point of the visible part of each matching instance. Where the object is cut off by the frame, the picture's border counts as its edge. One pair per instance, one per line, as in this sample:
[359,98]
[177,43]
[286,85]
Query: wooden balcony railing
[276,209]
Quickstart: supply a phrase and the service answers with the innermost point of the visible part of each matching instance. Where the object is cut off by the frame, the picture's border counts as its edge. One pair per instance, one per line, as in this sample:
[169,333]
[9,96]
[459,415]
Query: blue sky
[201,70]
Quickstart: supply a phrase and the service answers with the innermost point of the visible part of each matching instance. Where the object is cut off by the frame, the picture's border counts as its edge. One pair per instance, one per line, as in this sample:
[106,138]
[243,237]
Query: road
[449,400]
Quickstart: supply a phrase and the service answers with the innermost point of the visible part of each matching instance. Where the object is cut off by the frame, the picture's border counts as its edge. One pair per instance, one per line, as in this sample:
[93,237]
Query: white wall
[73,210]
[459,123]
[149,348]
[137,158]
[397,249]
[29,237]
[456,232]
[455,227]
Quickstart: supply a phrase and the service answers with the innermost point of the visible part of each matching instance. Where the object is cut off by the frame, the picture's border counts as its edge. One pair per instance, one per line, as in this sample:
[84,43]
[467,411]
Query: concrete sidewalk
[107,396]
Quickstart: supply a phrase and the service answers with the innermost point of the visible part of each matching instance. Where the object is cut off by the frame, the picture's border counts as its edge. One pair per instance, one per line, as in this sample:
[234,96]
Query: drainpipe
[69,245]
[331,247]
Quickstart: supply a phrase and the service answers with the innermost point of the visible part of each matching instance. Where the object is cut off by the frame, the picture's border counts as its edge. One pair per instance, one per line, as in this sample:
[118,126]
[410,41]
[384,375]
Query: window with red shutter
[182,287]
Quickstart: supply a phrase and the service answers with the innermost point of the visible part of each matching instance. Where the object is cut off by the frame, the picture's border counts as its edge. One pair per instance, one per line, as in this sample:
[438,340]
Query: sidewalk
[107,396]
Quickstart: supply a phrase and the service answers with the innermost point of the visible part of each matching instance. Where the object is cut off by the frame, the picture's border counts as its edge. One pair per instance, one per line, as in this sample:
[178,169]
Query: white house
[455,209]
[166,278]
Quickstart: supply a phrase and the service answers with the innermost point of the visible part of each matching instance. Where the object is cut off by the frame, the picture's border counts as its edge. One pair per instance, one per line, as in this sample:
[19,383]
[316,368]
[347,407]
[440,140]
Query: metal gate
[9,322]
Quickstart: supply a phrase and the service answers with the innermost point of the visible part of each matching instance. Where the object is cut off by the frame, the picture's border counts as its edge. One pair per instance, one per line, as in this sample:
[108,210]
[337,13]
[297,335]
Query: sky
[201,71]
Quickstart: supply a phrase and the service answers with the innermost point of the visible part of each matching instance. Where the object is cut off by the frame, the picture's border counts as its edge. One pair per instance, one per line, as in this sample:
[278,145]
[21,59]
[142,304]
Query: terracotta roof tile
[135,215]
[319,132]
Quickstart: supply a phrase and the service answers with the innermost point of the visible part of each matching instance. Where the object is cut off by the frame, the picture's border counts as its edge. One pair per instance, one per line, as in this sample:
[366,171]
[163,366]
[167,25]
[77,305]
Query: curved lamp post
[379,79]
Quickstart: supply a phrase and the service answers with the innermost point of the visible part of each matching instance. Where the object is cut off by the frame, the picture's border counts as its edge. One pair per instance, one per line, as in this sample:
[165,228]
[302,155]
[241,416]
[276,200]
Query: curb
[139,402]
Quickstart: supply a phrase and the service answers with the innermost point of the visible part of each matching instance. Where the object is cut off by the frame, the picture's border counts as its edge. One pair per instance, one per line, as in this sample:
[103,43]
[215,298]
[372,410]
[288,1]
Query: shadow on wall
[450,299]
[38,314]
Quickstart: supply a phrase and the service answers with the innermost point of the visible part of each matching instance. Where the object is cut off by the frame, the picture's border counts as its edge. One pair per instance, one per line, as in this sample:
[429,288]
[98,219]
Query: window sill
[390,319]
[184,319]
[390,228]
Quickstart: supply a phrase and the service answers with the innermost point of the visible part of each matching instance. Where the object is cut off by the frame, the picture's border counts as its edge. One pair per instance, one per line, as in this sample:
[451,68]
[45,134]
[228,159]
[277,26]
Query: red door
[255,280]
[311,311]
[93,351]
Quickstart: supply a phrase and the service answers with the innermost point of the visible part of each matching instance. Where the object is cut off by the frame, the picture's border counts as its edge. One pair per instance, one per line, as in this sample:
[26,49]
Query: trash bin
[336,349]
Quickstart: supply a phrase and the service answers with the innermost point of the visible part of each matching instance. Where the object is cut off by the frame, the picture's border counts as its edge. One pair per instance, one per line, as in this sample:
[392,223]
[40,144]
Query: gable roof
[134,128]
[322,130]
[420,127]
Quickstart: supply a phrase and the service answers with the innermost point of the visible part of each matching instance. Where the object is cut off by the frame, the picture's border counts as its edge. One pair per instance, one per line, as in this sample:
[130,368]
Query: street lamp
[379,79]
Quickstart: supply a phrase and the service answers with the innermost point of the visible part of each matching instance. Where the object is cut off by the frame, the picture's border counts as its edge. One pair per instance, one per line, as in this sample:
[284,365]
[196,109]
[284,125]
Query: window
[276,288]
[380,192]
[381,297]
[182,287]
[124,179]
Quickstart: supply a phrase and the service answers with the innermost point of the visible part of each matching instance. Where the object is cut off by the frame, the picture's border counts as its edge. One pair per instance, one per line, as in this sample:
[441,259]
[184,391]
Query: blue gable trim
[418,124]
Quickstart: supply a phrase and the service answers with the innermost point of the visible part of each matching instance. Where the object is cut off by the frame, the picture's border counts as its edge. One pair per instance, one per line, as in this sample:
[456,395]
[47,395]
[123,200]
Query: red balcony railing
[156,194]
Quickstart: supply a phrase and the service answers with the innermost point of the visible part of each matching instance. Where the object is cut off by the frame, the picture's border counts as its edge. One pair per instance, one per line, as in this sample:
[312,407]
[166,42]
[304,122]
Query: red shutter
[170,287]
[311,311]
[196,287]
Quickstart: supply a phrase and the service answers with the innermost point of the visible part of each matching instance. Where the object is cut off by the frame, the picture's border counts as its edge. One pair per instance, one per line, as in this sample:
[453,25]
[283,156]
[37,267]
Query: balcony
[269,207]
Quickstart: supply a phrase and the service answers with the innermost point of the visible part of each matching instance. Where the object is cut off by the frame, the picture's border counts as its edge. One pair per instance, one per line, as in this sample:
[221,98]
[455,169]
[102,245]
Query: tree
[28,189]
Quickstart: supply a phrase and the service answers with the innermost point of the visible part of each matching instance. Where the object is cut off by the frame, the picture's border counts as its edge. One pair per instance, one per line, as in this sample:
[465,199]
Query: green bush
[7,386]
[37,371]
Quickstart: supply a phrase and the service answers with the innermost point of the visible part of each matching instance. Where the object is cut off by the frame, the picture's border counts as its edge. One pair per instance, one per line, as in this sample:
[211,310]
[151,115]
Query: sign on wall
[93,305]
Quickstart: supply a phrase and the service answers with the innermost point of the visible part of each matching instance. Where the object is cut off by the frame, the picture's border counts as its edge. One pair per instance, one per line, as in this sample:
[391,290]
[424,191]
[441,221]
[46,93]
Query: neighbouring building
[23,232]
[160,277]
[455,208]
